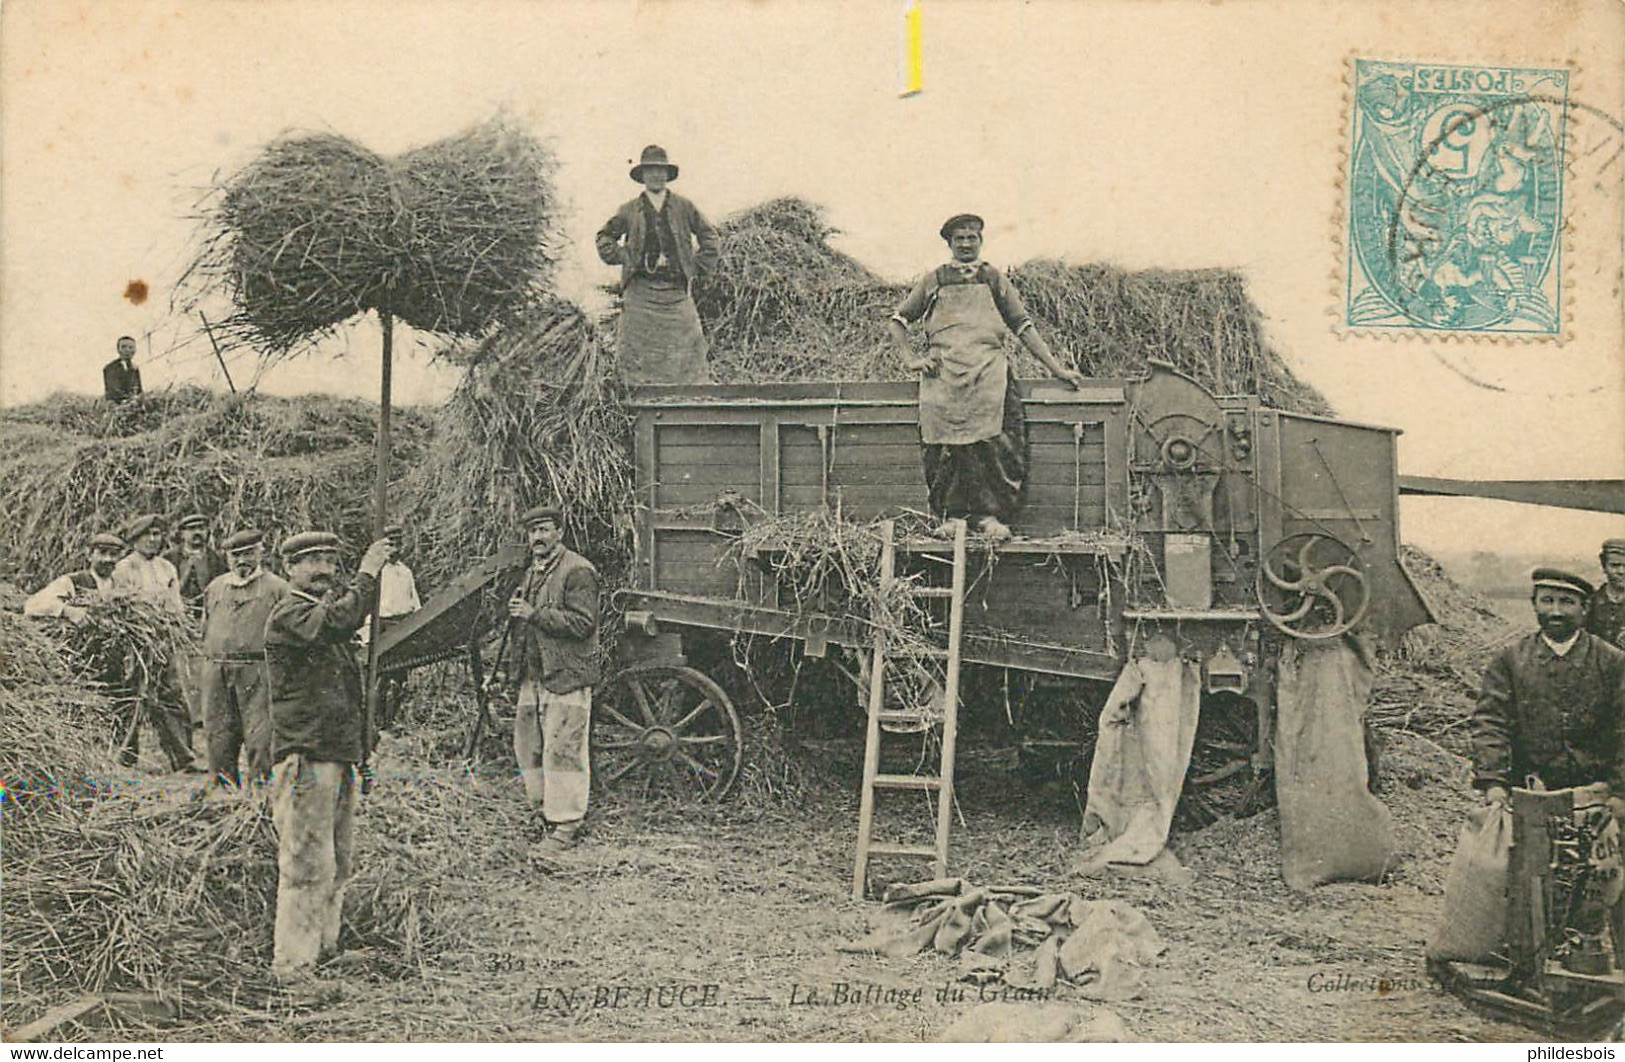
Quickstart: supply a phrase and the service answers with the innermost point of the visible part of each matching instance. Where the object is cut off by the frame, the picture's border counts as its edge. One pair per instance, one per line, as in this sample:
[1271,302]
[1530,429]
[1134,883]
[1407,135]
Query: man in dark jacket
[317,739]
[554,646]
[1553,703]
[663,244]
[121,380]
[1605,615]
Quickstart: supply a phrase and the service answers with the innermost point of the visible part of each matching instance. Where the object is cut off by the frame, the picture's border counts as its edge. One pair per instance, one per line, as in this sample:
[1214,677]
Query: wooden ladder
[941,783]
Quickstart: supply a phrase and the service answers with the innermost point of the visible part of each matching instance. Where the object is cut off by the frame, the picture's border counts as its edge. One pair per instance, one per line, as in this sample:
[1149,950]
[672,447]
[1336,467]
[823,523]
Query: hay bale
[455,237]
[538,417]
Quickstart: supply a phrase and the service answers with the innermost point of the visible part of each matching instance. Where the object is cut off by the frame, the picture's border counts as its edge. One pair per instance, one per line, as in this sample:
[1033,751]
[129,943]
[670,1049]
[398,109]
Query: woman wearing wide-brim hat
[973,435]
[663,244]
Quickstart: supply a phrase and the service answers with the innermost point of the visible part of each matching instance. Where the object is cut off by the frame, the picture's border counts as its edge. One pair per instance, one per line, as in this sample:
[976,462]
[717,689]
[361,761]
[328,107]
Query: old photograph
[812,521]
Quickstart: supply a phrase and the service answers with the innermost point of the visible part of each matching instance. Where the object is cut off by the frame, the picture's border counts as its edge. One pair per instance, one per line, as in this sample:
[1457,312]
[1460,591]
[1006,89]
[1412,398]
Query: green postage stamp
[1455,199]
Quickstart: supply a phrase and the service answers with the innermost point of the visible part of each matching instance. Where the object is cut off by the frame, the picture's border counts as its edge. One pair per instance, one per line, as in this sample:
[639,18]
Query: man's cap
[957,221]
[1613,545]
[193,520]
[654,155]
[106,540]
[1558,579]
[541,512]
[141,525]
[296,546]
[248,536]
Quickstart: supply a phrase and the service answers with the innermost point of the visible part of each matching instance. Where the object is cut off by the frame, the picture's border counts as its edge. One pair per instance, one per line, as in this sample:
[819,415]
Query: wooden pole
[209,331]
[380,520]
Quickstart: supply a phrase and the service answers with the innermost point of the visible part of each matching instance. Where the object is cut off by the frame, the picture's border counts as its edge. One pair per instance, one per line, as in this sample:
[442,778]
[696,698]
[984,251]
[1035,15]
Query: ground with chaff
[464,937]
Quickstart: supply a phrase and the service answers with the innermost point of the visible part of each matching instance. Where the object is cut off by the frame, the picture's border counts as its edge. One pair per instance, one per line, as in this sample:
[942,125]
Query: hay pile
[537,418]
[69,468]
[1430,684]
[453,238]
[785,305]
[118,882]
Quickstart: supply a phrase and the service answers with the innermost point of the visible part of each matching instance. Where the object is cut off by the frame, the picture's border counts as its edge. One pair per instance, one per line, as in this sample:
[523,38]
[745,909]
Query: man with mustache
[56,597]
[1552,703]
[317,740]
[553,619]
[236,708]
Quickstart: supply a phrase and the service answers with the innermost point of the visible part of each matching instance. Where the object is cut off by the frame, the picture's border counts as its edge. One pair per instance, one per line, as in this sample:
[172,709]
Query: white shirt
[53,597]
[397,591]
[152,578]
[656,199]
[1561,648]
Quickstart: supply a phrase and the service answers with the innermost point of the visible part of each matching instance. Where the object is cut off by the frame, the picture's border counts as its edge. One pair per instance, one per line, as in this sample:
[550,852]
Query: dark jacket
[196,572]
[1606,618]
[558,645]
[120,380]
[316,692]
[1556,717]
[622,238]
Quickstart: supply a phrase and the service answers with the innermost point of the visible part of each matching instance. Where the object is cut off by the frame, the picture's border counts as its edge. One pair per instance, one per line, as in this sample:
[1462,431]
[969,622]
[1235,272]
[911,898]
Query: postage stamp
[1454,197]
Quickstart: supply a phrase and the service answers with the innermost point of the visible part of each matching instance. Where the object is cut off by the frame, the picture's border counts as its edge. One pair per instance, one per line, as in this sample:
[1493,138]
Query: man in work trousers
[196,565]
[663,244]
[554,645]
[144,574]
[236,698]
[317,740]
[397,599]
[1605,615]
[1551,709]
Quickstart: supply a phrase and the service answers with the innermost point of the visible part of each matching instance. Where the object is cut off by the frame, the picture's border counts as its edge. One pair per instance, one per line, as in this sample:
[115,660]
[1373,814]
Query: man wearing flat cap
[144,574]
[92,583]
[663,244]
[196,565]
[318,738]
[973,435]
[1605,614]
[553,649]
[236,694]
[1552,703]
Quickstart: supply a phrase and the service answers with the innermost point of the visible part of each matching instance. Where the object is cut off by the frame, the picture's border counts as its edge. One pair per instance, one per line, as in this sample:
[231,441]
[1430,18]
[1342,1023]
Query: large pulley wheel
[1313,586]
[661,728]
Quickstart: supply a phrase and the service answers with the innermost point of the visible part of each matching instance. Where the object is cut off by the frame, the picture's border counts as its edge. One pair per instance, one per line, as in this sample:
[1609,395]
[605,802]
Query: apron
[964,402]
[659,340]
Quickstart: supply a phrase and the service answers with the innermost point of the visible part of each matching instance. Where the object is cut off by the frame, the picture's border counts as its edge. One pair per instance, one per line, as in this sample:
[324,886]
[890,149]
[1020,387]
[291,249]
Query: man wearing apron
[663,244]
[973,436]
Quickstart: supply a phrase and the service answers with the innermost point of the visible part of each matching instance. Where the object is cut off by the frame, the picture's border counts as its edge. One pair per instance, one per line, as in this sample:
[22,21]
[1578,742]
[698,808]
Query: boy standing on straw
[317,720]
[973,433]
[663,244]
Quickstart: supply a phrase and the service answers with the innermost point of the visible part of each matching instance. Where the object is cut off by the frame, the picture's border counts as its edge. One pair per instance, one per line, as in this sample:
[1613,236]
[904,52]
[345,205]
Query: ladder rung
[901,715]
[929,651]
[923,851]
[933,591]
[908,781]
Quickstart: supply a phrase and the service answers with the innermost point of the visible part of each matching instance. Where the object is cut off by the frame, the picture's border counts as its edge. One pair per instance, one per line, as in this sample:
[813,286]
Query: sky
[1145,133]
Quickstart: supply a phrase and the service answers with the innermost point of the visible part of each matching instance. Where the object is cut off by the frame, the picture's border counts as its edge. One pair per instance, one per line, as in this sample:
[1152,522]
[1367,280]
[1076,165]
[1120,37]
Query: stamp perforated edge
[1338,303]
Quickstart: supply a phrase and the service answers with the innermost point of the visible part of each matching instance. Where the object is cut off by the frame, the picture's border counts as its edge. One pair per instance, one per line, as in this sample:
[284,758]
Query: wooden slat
[675,458]
[706,434]
[742,474]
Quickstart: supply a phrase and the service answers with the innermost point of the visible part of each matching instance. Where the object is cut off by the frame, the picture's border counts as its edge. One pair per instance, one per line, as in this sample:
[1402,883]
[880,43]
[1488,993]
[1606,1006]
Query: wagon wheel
[1220,781]
[1312,586]
[664,728]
